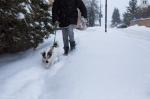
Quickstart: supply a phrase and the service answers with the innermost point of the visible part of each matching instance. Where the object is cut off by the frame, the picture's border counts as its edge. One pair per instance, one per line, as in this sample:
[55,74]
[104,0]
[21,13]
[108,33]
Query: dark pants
[68,35]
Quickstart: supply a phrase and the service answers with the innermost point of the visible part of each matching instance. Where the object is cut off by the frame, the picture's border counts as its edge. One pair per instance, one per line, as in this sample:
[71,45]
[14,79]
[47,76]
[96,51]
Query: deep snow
[113,65]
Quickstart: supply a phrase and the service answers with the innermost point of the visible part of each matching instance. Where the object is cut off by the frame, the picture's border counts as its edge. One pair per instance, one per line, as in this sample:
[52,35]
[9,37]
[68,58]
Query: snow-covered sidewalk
[113,65]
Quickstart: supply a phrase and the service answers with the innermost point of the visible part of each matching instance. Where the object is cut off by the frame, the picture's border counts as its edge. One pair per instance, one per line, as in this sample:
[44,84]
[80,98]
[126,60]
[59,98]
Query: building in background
[145,18]
[141,22]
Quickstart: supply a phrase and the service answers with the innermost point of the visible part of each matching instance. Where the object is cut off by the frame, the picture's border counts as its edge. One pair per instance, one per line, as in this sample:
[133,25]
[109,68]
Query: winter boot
[66,50]
[72,45]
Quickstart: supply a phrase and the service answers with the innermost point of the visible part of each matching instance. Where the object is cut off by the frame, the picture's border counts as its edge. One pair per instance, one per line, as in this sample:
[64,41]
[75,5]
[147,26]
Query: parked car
[122,25]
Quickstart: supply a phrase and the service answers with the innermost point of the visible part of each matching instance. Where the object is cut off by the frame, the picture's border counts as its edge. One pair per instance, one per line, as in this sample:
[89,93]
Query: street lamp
[105,15]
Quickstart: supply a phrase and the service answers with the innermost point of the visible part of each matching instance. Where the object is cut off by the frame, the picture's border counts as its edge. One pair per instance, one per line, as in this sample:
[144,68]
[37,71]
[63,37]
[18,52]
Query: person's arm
[82,8]
[54,12]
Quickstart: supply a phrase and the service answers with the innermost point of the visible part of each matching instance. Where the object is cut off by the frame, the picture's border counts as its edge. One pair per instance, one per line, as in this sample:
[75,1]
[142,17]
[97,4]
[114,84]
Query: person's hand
[84,19]
[56,23]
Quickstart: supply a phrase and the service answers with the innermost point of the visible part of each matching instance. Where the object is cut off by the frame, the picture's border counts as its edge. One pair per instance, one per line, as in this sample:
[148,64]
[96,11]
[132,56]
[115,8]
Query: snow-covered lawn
[113,65]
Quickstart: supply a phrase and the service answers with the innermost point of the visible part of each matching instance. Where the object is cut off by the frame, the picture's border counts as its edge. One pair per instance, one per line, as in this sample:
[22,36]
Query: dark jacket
[65,11]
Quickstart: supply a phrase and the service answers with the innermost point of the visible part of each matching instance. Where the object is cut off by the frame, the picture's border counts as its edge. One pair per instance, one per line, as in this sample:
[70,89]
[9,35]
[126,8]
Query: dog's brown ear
[43,54]
[50,54]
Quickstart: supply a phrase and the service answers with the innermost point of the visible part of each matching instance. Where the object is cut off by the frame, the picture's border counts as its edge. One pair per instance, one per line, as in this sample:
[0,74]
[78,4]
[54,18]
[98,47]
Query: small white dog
[51,56]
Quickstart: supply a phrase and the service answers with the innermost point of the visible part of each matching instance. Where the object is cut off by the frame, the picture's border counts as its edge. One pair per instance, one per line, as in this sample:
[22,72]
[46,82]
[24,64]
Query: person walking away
[64,13]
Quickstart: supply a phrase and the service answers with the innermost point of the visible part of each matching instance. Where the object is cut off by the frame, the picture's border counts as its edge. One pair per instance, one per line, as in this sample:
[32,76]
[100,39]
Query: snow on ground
[113,65]
[139,32]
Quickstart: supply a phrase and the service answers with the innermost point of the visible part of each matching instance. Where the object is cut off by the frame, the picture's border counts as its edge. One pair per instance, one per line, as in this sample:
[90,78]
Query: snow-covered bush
[19,30]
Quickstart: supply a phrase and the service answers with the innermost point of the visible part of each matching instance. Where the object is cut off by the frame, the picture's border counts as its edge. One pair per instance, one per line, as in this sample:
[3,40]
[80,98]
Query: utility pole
[100,14]
[106,16]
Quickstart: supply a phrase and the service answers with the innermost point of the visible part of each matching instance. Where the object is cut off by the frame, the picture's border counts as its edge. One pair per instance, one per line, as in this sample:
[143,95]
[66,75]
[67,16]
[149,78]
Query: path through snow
[113,65]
